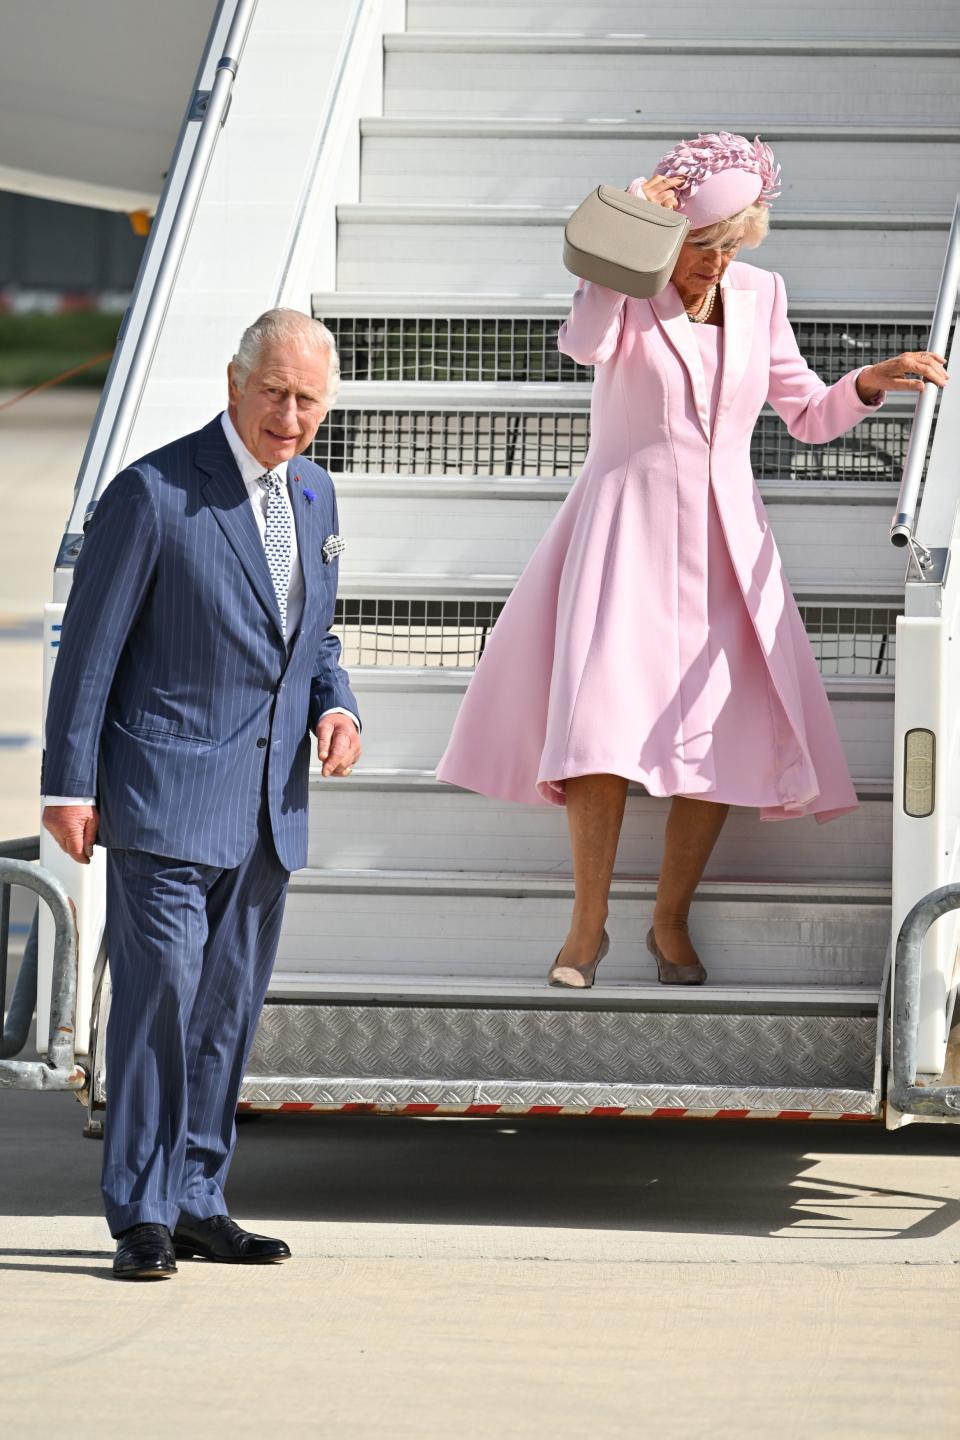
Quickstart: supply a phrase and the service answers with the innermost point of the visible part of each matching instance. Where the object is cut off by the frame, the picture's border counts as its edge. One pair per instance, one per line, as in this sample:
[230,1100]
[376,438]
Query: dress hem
[549,792]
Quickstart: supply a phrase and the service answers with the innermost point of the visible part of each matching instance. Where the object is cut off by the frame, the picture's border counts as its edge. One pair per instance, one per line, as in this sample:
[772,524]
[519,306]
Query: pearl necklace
[701,316]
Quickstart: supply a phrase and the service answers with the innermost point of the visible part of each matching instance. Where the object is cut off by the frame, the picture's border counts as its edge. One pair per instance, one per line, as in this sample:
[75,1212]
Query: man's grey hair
[286,327]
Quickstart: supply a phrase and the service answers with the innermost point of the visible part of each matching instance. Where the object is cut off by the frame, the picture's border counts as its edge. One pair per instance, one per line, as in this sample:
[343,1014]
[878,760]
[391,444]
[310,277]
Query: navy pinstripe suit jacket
[174,695]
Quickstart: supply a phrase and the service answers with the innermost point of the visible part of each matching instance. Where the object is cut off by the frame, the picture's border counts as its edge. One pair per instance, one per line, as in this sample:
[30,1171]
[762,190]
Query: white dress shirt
[250,472]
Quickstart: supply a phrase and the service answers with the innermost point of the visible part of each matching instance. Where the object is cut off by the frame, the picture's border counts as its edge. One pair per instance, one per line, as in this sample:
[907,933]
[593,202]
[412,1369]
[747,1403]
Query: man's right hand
[74,827]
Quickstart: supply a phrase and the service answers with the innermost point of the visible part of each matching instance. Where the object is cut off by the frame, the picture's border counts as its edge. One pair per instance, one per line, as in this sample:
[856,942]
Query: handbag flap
[640,207]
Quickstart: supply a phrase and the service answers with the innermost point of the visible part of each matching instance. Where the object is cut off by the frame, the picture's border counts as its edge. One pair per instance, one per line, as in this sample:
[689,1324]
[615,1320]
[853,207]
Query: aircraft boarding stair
[411,974]
[416,944]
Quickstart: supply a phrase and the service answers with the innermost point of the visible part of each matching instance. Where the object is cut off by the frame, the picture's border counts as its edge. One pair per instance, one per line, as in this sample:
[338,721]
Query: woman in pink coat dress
[653,636]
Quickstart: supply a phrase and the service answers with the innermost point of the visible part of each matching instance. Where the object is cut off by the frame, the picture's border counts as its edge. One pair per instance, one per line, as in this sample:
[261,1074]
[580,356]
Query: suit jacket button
[261,744]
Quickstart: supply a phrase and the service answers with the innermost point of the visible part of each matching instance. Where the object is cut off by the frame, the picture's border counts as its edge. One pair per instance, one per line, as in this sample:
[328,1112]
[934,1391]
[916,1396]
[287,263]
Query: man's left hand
[338,744]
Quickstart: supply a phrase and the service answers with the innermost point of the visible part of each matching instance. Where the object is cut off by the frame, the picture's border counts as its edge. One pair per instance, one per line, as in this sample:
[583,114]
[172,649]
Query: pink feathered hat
[724,174]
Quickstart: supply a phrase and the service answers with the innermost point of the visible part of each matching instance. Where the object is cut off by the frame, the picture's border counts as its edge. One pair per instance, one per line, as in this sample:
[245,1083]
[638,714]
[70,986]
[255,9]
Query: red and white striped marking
[606,1112]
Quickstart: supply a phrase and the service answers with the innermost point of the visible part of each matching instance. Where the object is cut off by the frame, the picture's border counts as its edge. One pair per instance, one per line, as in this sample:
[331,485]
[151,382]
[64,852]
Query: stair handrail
[905,1095]
[15,1023]
[60,1070]
[903,525]
[148,306]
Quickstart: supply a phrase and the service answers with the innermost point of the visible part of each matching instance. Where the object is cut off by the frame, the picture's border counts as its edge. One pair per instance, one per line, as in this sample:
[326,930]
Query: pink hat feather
[724,173]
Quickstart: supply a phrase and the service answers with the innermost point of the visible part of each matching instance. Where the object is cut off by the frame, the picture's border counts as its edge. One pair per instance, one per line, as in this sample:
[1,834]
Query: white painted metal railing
[902,530]
[926,787]
[143,322]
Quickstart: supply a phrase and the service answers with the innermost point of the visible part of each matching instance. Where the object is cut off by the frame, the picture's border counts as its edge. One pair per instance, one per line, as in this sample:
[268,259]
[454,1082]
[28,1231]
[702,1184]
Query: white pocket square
[332,547]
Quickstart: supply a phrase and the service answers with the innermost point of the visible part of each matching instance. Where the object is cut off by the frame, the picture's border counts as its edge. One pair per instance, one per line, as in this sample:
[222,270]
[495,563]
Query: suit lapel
[303,519]
[226,495]
[739,309]
[668,308]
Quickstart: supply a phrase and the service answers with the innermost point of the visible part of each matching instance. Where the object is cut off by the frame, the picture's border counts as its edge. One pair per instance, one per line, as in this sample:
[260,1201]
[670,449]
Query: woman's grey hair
[751,225]
[291,327]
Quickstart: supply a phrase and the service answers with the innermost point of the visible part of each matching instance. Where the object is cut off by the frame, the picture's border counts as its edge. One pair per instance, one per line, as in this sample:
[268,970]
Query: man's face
[281,406]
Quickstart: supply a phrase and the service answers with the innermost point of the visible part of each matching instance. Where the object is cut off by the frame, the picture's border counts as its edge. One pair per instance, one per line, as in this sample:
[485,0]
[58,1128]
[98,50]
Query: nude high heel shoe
[670,974]
[571,976]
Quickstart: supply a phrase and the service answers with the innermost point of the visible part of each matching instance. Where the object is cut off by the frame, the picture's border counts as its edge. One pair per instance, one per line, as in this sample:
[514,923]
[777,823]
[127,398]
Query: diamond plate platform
[417,1097]
[394,1057]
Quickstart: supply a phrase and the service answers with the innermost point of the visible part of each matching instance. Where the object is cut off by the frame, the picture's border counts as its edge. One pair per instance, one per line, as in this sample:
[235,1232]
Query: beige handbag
[624,242]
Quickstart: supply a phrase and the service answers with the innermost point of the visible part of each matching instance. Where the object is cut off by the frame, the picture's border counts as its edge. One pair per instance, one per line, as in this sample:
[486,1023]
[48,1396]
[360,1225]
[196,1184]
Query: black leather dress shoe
[221,1239]
[144,1252]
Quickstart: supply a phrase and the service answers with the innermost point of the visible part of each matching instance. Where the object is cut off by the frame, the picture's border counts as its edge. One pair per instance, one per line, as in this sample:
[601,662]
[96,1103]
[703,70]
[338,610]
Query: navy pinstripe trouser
[191,952]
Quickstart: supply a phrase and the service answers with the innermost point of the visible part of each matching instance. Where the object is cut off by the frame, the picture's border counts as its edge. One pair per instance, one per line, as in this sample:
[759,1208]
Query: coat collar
[668,308]
[739,310]
[739,307]
[226,494]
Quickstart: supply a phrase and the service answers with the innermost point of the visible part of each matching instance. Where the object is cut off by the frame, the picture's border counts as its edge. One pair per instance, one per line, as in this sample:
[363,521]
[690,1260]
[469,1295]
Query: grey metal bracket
[905,1094]
[59,1071]
[927,567]
[201,100]
[69,552]
[199,104]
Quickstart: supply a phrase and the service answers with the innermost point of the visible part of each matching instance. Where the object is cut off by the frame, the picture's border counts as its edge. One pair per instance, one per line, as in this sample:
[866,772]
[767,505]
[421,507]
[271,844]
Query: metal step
[452,526]
[430,1058]
[440,304]
[552,442]
[465,339]
[926,19]
[403,819]
[408,715]
[697,84]
[556,162]
[413,248]
[404,620]
[551,439]
[502,430]
[387,933]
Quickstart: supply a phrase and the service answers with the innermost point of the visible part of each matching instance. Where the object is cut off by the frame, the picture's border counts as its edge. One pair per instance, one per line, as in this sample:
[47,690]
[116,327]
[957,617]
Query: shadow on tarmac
[734,1178]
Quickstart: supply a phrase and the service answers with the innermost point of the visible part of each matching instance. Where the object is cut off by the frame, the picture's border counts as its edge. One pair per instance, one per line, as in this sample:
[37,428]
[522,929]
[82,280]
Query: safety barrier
[59,1070]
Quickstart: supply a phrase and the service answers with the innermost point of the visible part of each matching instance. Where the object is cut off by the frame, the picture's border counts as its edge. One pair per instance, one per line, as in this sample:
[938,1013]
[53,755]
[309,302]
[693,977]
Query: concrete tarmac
[484,1278]
[469,1279]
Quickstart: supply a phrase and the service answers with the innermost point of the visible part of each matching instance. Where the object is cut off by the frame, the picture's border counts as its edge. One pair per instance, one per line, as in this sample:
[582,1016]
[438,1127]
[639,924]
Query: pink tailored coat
[601,659]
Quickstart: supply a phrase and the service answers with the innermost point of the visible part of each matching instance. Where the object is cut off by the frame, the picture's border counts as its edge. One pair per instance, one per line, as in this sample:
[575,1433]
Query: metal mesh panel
[415,632]
[525,348]
[833,347]
[554,443]
[440,348]
[852,639]
[454,442]
[846,639]
[875,450]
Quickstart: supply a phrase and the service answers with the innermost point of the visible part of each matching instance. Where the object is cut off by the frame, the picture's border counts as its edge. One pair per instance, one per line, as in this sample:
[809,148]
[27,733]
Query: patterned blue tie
[278,540]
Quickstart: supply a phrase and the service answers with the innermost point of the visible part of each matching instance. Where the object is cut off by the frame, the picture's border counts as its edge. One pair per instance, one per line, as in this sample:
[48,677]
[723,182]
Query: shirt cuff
[68,800]
[339,710]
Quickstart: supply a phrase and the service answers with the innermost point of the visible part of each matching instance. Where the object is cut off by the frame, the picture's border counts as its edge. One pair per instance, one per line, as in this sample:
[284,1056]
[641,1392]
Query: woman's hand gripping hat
[723,174]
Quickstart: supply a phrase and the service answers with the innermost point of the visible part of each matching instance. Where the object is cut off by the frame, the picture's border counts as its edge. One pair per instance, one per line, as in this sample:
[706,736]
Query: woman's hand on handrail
[909,371]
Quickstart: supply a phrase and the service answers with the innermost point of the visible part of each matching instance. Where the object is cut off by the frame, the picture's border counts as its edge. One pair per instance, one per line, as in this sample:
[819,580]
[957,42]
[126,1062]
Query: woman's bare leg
[595,805]
[693,828]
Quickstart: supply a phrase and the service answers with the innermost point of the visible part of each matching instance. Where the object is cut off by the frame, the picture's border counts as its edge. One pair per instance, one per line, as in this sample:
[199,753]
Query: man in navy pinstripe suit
[195,663]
